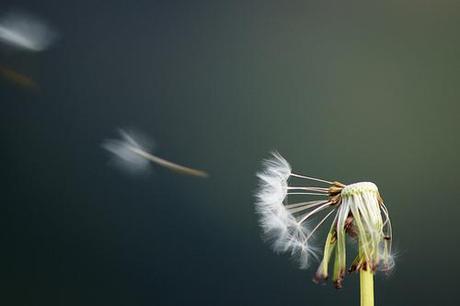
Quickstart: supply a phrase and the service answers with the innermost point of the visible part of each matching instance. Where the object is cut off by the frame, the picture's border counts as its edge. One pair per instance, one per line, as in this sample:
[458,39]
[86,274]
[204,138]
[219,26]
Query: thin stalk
[167,164]
[366,287]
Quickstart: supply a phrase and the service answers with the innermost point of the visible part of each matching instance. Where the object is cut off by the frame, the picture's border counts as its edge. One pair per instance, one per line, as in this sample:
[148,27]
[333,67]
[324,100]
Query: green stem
[366,278]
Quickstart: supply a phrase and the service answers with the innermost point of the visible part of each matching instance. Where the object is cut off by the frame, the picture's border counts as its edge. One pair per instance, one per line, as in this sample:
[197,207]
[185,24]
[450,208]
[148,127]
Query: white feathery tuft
[278,224]
[123,155]
[25,32]
[277,164]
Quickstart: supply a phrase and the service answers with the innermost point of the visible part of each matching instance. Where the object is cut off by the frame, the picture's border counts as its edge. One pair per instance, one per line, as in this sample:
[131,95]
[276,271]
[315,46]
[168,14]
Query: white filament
[277,220]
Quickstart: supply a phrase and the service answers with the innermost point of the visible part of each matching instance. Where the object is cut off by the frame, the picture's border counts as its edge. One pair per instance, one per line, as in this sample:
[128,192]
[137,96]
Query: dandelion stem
[366,287]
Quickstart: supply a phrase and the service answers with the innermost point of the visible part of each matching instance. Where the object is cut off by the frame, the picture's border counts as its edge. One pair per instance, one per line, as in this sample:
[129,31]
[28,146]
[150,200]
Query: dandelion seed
[18,78]
[26,32]
[133,156]
[357,211]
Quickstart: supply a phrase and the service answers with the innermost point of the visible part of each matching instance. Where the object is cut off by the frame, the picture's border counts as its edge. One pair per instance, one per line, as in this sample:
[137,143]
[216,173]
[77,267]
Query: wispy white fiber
[26,32]
[358,210]
[278,224]
[124,156]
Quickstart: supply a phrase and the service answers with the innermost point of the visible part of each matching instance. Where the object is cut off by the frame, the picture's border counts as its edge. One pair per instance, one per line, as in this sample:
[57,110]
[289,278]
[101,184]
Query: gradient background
[347,90]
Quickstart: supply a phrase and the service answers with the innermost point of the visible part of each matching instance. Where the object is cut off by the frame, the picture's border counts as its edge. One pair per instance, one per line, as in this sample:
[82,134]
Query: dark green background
[347,90]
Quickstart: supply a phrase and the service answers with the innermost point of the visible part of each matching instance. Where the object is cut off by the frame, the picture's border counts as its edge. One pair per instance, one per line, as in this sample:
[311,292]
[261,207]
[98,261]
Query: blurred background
[345,90]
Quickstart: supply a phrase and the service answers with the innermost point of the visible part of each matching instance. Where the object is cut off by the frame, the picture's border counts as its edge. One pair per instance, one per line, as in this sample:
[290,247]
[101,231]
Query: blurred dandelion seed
[25,32]
[358,212]
[134,157]
[18,78]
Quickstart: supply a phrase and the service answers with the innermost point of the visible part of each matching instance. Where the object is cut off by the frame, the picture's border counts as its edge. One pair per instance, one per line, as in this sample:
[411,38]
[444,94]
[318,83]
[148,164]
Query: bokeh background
[346,90]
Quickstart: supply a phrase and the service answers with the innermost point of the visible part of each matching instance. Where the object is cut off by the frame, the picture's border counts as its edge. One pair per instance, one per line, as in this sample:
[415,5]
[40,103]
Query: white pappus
[358,210]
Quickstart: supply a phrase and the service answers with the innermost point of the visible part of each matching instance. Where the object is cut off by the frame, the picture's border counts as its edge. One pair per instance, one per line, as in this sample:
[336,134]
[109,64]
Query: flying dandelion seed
[357,211]
[18,78]
[132,155]
[25,32]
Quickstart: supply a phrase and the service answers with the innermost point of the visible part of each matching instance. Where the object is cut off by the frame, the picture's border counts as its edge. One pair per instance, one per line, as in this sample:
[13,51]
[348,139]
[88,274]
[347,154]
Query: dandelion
[357,211]
[131,153]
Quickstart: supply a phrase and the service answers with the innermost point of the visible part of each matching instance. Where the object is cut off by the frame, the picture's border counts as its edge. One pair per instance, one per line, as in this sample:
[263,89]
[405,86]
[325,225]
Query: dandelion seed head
[358,210]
